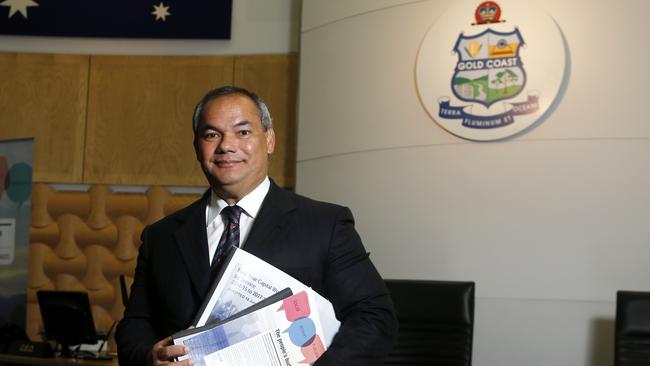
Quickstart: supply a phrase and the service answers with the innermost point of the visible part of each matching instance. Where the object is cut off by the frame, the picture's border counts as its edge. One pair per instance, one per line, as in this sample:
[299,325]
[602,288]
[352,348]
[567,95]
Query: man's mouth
[226,163]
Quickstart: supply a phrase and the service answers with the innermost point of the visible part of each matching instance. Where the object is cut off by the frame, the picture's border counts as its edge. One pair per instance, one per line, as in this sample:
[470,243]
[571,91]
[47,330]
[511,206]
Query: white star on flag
[160,11]
[18,6]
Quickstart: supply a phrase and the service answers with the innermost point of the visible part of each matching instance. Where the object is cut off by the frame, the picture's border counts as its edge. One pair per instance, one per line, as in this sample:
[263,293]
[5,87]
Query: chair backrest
[632,335]
[436,322]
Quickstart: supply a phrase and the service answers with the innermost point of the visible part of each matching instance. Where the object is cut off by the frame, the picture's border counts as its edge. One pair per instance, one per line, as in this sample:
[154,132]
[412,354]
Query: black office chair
[436,322]
[632,335]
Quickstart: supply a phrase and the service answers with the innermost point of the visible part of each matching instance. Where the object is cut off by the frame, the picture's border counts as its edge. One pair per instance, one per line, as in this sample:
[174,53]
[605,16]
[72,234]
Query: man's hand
[165,352]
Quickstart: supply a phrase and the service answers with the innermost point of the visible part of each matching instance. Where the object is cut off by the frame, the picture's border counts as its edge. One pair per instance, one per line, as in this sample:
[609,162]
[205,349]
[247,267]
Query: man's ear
[270,140]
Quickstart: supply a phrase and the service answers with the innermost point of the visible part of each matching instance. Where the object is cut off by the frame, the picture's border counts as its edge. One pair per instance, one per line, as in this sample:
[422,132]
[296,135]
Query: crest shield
[489,68]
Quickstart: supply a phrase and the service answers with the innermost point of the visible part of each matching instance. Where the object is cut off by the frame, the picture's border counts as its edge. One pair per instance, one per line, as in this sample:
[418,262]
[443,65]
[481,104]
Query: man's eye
[210,135]
[244,132]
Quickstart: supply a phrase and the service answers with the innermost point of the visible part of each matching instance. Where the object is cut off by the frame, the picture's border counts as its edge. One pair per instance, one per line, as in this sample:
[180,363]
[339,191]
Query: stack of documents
[258,315]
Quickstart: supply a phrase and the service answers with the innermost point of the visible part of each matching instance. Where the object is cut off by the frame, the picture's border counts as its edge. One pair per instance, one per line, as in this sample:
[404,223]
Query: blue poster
[15,205]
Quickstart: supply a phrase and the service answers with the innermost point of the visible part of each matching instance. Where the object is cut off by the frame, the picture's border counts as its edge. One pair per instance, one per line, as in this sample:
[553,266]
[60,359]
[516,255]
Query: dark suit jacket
[313,241]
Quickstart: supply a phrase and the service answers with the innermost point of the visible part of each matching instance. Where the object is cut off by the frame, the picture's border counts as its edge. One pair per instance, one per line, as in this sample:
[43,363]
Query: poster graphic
[15,206]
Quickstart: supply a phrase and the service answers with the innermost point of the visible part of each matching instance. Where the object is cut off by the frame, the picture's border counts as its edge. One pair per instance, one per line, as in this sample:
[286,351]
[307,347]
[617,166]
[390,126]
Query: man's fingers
[170,352]
[166,351]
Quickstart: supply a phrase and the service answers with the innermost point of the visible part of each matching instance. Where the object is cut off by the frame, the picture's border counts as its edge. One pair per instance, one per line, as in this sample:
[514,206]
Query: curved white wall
[549,224]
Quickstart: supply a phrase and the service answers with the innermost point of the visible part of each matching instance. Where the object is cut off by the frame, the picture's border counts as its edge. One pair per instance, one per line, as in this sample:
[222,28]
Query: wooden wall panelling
[44,96]
[85,240]
[139,117]
[275,79]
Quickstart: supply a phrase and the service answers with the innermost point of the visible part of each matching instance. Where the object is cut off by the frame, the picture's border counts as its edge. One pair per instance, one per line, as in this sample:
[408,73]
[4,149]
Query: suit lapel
[192,241]
[270,221]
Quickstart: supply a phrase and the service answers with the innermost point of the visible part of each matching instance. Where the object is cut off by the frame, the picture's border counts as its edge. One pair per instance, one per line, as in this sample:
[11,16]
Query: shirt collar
[250,203]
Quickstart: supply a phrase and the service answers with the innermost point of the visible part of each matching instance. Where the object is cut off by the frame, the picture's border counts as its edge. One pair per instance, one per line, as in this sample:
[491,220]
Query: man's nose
[227,143]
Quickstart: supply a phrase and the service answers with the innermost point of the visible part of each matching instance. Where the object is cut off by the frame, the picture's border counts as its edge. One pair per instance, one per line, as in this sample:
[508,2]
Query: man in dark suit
[313,241]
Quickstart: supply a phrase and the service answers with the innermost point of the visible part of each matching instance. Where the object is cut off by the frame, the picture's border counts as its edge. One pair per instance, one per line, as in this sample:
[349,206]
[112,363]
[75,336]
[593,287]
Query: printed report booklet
[252,318]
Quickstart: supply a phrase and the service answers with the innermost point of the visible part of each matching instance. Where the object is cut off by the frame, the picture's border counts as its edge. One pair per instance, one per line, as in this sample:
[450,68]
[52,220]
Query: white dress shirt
[215,223]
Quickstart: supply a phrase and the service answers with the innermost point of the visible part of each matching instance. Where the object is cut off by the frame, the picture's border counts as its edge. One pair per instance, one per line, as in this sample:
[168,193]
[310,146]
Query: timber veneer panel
[275,79]
[139,117]
[44,97]
[84,240]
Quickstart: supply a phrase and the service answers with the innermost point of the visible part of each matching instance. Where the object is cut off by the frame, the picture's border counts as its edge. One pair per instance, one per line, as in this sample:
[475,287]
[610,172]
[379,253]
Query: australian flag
[199,19]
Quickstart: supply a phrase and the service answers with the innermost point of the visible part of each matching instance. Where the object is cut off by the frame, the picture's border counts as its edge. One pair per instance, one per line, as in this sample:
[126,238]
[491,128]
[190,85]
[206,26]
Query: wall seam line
[328,156]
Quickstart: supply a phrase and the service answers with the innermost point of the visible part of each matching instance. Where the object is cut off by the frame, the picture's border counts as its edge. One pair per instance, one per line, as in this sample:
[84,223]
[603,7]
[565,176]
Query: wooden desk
[11,360]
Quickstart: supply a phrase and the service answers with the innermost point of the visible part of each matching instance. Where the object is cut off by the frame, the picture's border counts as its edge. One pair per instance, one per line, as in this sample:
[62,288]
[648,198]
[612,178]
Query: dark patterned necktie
[230,234]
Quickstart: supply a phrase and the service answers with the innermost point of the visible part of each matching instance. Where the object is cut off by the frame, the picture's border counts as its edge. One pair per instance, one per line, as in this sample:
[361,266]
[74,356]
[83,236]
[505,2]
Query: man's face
[232,146]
